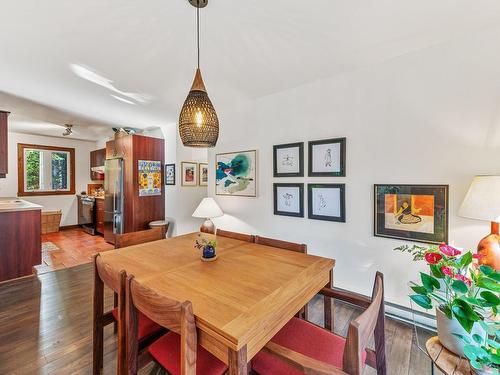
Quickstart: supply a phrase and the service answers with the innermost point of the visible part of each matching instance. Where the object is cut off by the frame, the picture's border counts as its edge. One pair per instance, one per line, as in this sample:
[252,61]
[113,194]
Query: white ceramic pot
[446,327]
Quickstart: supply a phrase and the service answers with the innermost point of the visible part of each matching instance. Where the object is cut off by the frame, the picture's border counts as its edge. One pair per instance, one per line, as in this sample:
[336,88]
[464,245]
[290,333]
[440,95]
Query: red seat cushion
[146,325]
[167,352]
[305,338]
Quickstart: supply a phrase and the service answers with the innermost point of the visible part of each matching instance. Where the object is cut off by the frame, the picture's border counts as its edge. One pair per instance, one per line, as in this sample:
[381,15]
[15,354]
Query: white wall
[181,201]
[66,203]
[430,117]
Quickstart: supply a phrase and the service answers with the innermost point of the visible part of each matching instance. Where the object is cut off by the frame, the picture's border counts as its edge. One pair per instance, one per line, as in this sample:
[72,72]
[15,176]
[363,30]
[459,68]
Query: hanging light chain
[198,31]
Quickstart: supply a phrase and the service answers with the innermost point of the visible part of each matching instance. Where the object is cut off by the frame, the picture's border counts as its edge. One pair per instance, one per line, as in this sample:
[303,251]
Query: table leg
[238,361]
[432,368]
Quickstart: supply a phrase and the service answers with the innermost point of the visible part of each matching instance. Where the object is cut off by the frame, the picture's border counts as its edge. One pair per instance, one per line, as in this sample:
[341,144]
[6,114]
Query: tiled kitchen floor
[75,247]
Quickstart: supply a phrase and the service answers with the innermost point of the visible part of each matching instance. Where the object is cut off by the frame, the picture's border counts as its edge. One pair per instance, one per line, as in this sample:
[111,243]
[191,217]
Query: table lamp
[482,202]
[208,209]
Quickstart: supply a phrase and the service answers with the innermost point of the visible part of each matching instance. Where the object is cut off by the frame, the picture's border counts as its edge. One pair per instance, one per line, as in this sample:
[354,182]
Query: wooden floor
[76,247]
[46,328]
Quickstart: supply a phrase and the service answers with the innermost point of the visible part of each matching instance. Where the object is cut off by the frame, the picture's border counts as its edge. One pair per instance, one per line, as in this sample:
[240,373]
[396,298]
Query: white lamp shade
[482,201]
[207,209]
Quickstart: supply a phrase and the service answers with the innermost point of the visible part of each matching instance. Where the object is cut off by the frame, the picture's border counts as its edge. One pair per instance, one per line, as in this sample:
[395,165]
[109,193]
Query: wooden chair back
[299,248]
[115,280]
[139,237]
[362,328]
[174,315]
[235,235]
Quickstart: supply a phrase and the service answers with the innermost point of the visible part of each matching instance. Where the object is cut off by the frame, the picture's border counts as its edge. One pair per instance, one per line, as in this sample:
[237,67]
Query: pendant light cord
[198,30]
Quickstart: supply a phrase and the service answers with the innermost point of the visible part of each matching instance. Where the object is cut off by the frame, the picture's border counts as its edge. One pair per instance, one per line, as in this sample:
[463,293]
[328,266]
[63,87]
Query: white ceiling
[138,57]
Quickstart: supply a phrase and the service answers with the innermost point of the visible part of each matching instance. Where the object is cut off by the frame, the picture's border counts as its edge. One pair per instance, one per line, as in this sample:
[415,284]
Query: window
[45,170]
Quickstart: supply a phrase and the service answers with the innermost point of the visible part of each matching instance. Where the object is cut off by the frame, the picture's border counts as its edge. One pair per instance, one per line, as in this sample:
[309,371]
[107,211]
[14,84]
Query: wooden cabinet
[20,237]
[97,159]
[4,150]
[99,217]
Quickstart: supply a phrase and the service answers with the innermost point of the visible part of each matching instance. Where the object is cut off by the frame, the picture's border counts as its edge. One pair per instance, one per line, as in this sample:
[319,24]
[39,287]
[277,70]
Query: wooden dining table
[240,301]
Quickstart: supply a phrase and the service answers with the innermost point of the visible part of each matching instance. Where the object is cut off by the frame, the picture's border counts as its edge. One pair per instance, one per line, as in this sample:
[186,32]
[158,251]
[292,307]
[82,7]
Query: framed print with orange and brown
[412,212]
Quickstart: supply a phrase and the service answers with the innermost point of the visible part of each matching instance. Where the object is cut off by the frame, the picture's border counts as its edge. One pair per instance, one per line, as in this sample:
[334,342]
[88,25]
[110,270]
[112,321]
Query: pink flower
[448,250]
[477,256]
[433,258]
[465,279]
[448,271]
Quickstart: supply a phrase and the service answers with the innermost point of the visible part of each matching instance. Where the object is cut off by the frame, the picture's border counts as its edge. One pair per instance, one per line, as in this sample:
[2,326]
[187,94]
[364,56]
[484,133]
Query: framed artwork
[235,173]
[203,177]
[288,160]
[189,173]
[327,158]
[412,212]
[326,202]
[169,174]
[149,177]
[289,199]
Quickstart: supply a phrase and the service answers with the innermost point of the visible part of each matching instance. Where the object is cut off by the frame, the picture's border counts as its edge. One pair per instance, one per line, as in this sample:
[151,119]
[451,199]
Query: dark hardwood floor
[46,328]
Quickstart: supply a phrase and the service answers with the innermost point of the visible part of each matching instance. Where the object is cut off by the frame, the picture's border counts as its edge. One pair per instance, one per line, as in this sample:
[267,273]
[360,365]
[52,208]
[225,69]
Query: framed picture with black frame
[169,174]
[288,160]
[289,199]
[326,202]
[327,158]
[417,213]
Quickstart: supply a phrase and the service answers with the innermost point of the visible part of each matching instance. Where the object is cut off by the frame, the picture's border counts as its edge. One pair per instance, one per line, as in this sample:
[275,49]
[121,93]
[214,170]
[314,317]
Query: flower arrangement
[456,285]
[463,291]
[208,247]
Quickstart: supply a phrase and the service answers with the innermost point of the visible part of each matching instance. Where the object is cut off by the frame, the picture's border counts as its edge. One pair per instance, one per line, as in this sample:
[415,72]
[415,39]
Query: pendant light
[198,122]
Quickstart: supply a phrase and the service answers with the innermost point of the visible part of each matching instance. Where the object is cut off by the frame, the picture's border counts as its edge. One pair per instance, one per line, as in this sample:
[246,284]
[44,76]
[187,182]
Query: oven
[87,213]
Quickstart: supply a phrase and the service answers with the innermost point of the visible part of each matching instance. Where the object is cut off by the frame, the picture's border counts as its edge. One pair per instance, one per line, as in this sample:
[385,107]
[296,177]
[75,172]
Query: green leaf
[446,311]
[459,286]
[470,313]
[465,260]
[476,364]
[494,344]
[490,297]
[419,289]
[477,338]
[461,317]
[436,271]
[471,352]
[422,301]
[495,276]
[472,301]
[487,283]
[430,283]
[464,338]
[490,330]
[487,270]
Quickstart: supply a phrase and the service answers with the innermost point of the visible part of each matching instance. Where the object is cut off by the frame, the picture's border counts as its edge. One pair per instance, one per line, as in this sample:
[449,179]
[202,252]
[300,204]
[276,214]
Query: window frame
[21,171]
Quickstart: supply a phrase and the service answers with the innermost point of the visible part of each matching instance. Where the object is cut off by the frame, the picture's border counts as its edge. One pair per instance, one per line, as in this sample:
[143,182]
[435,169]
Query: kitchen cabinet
[20,238]
[99,217]
[97,159]
[4,147]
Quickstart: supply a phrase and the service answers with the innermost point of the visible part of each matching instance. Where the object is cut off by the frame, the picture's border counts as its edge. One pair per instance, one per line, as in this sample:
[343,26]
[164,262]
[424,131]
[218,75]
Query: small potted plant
[483,353]
[463,292]
[208,247]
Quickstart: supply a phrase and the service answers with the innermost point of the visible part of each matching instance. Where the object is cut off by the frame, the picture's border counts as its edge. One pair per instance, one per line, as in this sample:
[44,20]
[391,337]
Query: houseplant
[462,292]
[208,247]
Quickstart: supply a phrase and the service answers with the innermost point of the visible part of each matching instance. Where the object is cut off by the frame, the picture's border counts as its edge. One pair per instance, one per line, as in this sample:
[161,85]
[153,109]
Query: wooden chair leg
[115,305]
[379,336]
[98,329]
[329,307]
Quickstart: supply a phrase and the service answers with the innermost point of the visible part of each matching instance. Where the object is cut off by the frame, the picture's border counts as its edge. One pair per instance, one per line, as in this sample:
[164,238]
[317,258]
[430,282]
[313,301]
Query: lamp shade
[482,201]
[198,122]
[207,209]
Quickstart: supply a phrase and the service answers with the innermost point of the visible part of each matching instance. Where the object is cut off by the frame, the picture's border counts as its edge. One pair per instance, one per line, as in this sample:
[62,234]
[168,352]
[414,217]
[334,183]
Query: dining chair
[139,237]
[299,248]
[235,235]
[178,351]
[303,347]
[116,280]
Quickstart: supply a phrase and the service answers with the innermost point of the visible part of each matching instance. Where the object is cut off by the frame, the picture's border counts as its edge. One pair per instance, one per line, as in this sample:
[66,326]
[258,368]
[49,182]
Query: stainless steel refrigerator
[113,199]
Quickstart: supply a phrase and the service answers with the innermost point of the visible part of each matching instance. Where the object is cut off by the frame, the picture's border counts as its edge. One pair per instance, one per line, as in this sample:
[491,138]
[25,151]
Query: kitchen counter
[13,204]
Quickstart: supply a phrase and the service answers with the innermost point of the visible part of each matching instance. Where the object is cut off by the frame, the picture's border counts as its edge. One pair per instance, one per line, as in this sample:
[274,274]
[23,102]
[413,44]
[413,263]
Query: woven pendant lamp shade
[198,122]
